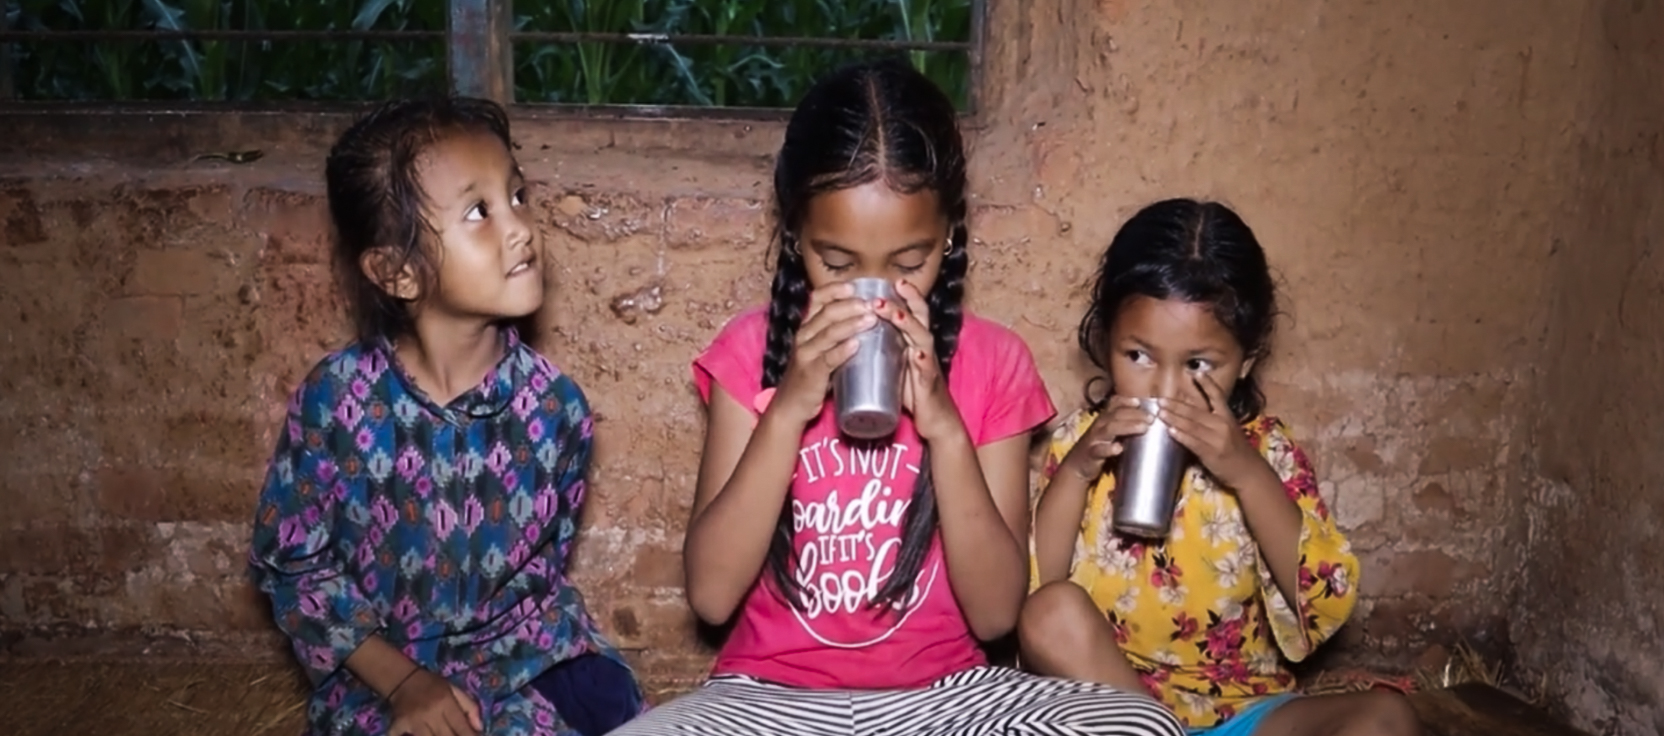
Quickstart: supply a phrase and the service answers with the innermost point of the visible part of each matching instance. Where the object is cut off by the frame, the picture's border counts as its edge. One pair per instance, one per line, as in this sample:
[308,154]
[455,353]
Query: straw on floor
[122,698]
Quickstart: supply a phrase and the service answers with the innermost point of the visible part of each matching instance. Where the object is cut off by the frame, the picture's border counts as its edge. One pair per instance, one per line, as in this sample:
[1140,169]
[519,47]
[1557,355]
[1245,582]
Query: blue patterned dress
[445,529]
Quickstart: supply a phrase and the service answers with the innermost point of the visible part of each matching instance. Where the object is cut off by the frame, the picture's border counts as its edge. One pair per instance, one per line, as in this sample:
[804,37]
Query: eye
[1199,365]
[909,268]
[1138,356]
[836,267]
[475,213]
[519,196]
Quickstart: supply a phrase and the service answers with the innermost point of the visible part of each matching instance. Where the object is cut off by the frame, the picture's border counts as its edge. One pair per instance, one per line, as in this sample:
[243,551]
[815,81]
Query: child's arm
[577,447]
[1308,573]
[1217,439]
[1063,497]
[1057,521]
[1274,523]
[419,698]
[982,505]
[293,557]
[381,665]
[744,475]
[745,472]
[316,601]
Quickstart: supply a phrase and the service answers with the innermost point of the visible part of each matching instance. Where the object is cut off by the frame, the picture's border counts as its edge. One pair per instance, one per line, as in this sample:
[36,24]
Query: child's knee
[1387,714]
[1056,611]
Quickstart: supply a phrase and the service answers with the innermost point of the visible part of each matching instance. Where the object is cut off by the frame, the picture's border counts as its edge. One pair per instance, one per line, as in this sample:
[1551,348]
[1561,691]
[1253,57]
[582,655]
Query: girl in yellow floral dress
[1253,571]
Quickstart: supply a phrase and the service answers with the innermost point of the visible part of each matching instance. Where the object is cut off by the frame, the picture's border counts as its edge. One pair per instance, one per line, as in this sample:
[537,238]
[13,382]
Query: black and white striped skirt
[984,701]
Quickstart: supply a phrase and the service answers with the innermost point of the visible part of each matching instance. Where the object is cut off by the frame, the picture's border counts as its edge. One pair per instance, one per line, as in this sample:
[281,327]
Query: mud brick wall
[1455,196]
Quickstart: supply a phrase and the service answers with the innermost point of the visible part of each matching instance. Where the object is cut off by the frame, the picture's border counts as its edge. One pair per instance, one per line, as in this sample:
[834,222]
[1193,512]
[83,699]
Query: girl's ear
[391,274]
[1247,367]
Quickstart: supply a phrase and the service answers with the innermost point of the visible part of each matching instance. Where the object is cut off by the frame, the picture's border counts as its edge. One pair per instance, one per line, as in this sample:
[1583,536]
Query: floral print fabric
[1198,614]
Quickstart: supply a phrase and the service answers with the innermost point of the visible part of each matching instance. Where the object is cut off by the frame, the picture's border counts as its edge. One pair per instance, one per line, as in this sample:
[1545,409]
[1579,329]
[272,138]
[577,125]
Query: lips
[522,267]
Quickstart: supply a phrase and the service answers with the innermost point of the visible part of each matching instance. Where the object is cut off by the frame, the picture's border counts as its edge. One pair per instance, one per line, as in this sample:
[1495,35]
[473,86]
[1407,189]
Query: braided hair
[873,121]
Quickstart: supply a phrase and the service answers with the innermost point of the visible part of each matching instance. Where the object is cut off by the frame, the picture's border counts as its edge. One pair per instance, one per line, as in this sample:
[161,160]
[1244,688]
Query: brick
[727,223]
[23,225]
[49,600]
[127,547]
[212,436]
[131,492]
[624,622]
[1361,452]
[600,218]
[1434,498]
[658,567]
[158,318]
[186,492]
[667,623]
[293,226]
[1455,454]
[44,548]
[13,609]
[43,462]
[1014,228]
[1395,619]
[246,608]
[1431,573]
[178,273]
[299,316]
[157,216]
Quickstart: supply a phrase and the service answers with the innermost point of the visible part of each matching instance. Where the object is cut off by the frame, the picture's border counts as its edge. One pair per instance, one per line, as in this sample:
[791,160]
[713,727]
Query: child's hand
[923,392]
[429,705]
[1214,436]
[824,341]
[1121,417]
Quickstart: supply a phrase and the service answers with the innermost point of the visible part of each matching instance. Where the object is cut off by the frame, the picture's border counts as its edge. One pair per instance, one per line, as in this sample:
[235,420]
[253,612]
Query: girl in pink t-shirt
[859,576]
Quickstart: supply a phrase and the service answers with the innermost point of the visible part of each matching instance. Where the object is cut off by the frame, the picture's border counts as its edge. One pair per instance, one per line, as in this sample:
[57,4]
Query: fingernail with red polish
[878,304]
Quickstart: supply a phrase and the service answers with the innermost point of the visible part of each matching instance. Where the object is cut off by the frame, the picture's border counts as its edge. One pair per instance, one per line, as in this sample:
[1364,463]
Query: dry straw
[206,698]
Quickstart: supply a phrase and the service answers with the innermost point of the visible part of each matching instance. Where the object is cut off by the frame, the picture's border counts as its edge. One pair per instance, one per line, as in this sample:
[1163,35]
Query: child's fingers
[837,313]
[469,707]
[917,306]
[1172,410]
[836,355]
[1186,438]
[831,293]
[1122,421]
[916,333]
[1192,432]
[453,722]
[1180,421]
[1104,450]
[831,344]
[1213,393]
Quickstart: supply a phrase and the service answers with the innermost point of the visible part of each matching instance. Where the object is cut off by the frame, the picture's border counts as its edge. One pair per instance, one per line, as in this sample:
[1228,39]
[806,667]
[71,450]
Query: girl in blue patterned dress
[416,520]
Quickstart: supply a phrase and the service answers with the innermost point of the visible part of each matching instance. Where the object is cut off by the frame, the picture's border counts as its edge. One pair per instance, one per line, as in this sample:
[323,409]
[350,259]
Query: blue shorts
[1245,722]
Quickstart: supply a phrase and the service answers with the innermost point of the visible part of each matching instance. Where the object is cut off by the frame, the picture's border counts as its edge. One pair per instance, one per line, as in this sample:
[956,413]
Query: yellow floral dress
[1198,615]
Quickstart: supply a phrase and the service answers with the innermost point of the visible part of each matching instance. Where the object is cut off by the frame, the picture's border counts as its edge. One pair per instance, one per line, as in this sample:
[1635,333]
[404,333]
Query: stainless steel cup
[866,391]
[1147,479]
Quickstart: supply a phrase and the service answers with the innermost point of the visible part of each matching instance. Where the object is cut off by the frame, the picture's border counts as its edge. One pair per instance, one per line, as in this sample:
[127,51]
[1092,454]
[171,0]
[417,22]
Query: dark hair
[873,121]
[376,200]
[1198,252]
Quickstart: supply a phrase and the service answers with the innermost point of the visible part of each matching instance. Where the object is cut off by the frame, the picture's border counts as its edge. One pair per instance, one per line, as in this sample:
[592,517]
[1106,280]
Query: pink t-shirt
[848,501]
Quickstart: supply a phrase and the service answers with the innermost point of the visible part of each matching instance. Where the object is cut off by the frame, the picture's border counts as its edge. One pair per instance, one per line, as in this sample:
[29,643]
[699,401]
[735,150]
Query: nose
[517,229]
[1172,382]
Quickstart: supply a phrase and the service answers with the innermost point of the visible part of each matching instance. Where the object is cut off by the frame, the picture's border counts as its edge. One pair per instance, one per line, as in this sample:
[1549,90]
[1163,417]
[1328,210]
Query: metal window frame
[479,60]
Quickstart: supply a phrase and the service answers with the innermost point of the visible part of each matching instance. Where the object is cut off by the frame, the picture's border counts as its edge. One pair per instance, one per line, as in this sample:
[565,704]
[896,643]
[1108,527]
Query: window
[664,55]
